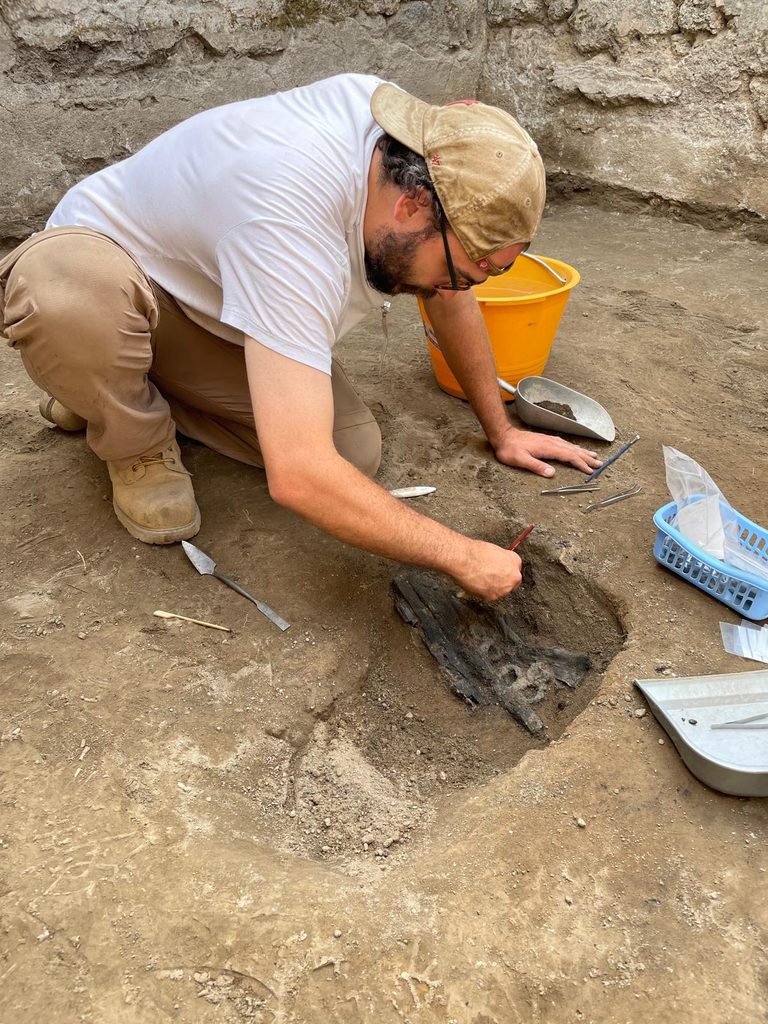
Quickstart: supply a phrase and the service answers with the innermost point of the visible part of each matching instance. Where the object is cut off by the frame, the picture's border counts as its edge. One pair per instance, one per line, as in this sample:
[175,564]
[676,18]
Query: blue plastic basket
[745,593]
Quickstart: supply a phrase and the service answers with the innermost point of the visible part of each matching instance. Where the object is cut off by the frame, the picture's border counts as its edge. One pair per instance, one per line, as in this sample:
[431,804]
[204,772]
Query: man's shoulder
[348,80]
[341,91]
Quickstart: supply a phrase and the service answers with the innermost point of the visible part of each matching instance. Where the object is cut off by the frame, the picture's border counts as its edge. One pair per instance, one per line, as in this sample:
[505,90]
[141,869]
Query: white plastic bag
[747,640]
[704,517]
[699,517]
[741,557]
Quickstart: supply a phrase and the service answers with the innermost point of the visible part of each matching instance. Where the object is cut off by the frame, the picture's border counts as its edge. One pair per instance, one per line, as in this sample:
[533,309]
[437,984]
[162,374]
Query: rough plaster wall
[666,99]
[83,84]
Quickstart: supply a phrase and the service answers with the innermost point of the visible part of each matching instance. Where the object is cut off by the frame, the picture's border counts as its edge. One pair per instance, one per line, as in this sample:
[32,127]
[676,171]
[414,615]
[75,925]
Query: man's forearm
[339,499]
[293,410]
[460,328]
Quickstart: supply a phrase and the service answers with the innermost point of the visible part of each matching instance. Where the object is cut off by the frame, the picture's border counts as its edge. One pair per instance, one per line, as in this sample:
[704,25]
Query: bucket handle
[542,263]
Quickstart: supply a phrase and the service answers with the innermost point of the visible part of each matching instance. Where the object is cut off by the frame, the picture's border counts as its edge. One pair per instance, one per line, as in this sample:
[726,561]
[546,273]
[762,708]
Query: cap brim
[400,115]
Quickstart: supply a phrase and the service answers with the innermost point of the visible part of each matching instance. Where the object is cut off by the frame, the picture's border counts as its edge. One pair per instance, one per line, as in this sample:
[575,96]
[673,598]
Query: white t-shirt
[251,215]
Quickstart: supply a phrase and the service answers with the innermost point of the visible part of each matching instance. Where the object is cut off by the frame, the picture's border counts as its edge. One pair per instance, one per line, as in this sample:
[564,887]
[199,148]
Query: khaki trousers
[96,333]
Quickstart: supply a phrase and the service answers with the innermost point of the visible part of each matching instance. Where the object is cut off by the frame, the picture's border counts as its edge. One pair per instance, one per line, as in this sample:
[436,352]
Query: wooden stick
[199,622]
[521,538]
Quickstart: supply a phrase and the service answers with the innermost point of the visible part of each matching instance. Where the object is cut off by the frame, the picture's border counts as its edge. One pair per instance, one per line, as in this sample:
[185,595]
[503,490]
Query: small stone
[581,823]
[569,901]
[661,743]
[327,822]
[639,712]
[409,716]
[325,849]
[693,721]
[82,636]
[368,839]
[337,933]
[291,814]
[442,776]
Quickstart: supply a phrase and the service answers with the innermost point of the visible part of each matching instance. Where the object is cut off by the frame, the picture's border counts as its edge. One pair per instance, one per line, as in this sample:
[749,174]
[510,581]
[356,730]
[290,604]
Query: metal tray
[693,711]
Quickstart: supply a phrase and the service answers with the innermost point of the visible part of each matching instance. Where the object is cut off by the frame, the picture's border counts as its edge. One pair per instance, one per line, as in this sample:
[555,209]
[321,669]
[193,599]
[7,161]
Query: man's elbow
[290,487]
[281,489]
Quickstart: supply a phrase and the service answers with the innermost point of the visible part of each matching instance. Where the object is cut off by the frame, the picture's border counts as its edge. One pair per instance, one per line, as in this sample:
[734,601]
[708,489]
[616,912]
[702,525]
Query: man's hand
[489,571]
[526,449]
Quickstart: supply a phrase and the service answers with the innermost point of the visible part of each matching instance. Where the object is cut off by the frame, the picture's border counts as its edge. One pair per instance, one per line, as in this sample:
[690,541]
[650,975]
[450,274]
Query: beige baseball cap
[485,167]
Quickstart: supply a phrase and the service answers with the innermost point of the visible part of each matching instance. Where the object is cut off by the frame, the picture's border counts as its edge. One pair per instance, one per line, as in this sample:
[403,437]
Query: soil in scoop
[559,408]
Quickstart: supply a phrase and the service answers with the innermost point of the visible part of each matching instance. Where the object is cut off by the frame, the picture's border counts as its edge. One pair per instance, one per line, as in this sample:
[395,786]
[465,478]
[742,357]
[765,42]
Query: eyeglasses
[485,264]
[455,285]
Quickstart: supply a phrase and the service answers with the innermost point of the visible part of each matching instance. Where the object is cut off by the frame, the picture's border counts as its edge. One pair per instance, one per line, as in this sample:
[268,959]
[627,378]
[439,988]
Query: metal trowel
[589,417]
[206,566]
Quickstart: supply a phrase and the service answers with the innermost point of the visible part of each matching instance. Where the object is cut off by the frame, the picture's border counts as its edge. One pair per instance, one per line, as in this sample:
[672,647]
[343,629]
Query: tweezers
[573,489]
[612,500]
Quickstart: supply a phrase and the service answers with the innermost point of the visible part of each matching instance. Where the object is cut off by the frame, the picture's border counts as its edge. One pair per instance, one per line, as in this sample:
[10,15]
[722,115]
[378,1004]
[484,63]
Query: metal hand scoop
[590,418]
[206,566]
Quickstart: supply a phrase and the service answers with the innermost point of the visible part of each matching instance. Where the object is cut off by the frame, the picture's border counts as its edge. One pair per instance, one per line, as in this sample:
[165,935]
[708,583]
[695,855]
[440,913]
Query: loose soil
[559,407]
[310,827]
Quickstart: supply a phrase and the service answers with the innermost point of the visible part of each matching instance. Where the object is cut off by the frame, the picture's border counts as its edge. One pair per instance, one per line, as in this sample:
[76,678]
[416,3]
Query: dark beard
[390,259]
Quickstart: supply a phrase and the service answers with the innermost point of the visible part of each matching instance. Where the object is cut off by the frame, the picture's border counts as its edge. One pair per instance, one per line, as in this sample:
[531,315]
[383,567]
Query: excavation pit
[370,777]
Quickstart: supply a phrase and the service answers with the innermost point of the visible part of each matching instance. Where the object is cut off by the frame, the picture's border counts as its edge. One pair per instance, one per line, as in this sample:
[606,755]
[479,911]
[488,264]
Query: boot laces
[158,459]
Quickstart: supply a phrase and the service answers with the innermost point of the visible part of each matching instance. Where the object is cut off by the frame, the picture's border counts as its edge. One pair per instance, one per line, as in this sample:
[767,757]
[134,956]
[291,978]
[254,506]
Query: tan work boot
[153,497]
[59,415]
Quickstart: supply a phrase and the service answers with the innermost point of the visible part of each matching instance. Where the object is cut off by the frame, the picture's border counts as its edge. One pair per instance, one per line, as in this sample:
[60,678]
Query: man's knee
[35,306]
[66,291]
[360,445]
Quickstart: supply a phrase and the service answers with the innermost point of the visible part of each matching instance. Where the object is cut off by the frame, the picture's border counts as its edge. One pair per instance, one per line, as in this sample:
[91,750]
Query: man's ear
[410,211]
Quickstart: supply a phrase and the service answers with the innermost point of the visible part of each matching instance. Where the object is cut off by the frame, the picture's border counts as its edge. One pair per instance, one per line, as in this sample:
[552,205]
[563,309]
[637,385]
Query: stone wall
[83,84]
[663,99]
[666,100]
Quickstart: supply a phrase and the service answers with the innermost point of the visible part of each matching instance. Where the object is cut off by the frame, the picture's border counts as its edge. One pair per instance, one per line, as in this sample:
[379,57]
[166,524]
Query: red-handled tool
[521,538]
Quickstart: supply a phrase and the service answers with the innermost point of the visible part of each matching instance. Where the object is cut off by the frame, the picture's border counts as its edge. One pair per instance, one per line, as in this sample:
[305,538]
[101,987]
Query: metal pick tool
[743,723]
[609,462]
[206,566]
[612,501]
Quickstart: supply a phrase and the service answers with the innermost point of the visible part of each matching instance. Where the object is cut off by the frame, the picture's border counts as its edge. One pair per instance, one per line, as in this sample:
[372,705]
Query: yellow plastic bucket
[522,311]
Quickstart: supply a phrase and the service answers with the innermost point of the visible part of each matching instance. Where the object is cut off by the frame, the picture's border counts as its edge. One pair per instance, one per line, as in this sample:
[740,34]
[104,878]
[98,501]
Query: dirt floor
[309,826]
